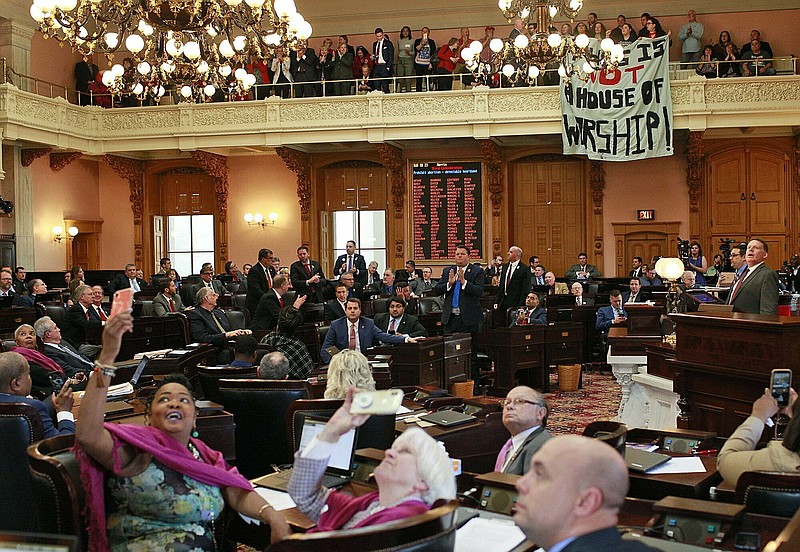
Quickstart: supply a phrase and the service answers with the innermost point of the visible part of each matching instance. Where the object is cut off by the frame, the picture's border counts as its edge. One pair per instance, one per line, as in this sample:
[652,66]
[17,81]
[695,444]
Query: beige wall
[116,241]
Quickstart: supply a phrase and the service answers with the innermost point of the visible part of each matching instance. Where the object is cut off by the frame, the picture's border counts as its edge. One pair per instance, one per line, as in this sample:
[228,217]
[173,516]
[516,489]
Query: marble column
[17,186]
[15,45]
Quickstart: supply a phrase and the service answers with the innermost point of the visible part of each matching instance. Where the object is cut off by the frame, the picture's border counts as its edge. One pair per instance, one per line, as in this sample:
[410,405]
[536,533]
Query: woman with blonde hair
[348,369]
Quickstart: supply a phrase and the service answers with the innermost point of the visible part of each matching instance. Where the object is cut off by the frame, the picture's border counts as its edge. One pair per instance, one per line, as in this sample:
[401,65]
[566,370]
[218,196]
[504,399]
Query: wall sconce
[258,219]
[58,233]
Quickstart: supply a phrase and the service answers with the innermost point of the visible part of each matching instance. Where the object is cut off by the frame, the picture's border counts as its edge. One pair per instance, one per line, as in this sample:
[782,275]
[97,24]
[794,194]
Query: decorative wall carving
[300,164]
[493,168]
[216,166]
[60,160]
[797,164]
[29,155]
[597,183]
[133,171]
[392,158]
[694,170]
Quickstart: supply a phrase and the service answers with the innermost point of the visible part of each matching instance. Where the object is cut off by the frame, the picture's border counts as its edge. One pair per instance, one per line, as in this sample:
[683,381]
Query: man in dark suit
[351,262]
[531,313]
[396,321]
[636,271]
[580,299]
[354,289]
[7,289]
[383,57]
[612,315]
[15,386]
[127,280]
[582,270]
[259,279]
[462,288]
[356,332]
[421,285]
[525,417]
[271,303]
[58,349]
[85,73]
[79,317]
[570,497]
[756,291]
[334,309]
[208,324]
[20,286]
[207,280]
[635,295]
[387,285]
[514,283]
[403,290]
[307,276]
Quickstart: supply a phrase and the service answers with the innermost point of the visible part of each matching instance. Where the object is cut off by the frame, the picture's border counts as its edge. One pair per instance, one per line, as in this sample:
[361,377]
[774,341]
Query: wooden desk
[689,485]
[437,361]
[185,364]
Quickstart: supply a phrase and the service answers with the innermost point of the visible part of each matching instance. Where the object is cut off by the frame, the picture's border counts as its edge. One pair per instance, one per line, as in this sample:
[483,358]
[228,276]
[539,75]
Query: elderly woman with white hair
[348,369]
[415,472]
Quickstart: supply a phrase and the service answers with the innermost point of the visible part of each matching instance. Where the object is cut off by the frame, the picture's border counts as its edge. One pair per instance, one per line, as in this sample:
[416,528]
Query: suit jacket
[387,50]
[75,324]
[758,293]
[373,279]
[518,287]
[738,455]
[606,540]
[161,304]
[216,285]
[419,286]
[470,299]
[586,301]
[571,274]
[18,300]
[121,282]
[561,289]
[333,310]
[65,427]
[205,330]
[266,315]
[368,335]
[521,460]
[68,362]
[85,73]
[538,316]
[605,318]
[636,273]
[20,286]
[298,274]
[340,266]
[257,285]
[409,325]
[640,297]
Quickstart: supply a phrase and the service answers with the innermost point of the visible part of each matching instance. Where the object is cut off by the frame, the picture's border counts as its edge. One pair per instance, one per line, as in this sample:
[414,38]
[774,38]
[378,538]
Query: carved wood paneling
[133,172]
[392,159]
[216,166]
[493,169]
[694,183]
[29,155]
[597,183]
[60,160]
[300,164]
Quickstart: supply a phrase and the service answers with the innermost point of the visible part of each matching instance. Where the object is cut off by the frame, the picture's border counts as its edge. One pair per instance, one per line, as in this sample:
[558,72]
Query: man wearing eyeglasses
[525,417]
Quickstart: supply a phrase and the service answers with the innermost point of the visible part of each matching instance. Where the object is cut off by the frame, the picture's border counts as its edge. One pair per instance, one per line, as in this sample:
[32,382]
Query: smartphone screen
[57,381]
[123,299]
[779,386]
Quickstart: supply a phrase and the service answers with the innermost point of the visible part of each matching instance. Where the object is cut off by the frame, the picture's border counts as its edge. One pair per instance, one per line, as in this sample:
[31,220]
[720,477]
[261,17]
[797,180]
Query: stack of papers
[151,354]
[115,391]
[482,534]
[277,499]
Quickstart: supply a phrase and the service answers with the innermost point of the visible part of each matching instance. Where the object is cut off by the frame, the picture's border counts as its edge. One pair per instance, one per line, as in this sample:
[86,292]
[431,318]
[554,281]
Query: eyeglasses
[518,402]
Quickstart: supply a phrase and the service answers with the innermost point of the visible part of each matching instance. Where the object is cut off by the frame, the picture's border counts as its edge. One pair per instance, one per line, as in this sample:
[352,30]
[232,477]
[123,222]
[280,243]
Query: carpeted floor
[570,412]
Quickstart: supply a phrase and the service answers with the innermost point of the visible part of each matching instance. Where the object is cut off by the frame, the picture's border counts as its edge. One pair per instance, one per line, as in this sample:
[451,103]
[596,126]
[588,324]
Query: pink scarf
[32,355]
[213,470]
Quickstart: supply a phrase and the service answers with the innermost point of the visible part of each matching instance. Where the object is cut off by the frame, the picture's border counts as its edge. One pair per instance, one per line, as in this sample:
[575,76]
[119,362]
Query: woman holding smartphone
[424,51]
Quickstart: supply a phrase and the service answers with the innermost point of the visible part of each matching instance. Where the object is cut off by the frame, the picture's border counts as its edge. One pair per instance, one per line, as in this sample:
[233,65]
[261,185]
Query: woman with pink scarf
[155,487]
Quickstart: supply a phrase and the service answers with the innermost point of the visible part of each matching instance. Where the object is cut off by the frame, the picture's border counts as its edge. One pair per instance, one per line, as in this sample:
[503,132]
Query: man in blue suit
[15,386]
[356,332]
[613,315]
[462,288]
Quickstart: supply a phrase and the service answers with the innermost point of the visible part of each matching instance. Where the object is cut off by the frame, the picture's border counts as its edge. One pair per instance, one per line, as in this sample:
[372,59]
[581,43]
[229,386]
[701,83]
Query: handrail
[35,85]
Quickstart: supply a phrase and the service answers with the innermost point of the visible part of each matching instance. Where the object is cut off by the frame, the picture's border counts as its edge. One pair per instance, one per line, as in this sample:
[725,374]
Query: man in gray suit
[756,290]
[168,300]
[525,417]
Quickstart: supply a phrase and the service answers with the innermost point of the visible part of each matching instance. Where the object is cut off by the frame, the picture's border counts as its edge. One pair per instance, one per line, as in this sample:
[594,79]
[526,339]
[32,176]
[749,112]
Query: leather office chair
[209,377]
[232,287]
[322,331]
[148,308]
[379,305]
[433,531]
[187,294]
[240,300]
[377,432]
[58,488]
[429,305]
[11,319]
[20,425]
[613,433]
[769,493]
[239,317]
[259,409]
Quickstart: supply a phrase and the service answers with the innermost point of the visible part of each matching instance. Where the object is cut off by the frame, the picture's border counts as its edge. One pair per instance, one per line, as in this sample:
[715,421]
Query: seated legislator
[283,340]
[525,417]
[348,369]
[415,472]
[155,486]
[356,332]
[79,317]
[531,313]
[555,288]
[396,321]
[577,291]
[41,366]
[168,299]
[738,455]
[15,386]
[59,350]
[612,315]
[334,309]
[274,366]
[635,295]
[244,352]
[569,500]
[208,324]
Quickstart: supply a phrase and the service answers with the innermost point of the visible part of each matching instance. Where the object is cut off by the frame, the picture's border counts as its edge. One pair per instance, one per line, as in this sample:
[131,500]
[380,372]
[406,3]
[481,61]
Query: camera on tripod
[725,248]
[683,251]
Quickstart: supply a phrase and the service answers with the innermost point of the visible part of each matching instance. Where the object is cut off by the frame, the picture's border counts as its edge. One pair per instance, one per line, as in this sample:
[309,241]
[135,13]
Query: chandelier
[194,46]
[522,59]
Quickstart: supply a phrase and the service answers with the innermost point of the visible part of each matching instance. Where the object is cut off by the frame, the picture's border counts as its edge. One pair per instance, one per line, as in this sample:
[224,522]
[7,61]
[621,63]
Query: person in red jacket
[448,57]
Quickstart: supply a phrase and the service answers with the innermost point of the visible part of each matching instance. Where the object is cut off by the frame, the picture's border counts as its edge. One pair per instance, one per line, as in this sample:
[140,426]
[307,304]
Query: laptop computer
[640,460]
[447,418]
[340,465]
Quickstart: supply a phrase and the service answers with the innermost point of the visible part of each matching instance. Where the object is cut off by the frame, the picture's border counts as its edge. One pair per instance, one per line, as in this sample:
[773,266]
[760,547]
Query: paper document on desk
[119,390]
[481,534]
[679,464]
[277,499]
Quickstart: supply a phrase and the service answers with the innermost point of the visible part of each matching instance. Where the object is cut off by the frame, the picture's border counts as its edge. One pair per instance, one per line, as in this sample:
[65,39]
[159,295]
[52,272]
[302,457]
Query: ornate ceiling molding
[60,160]
[29,155]
[133,172]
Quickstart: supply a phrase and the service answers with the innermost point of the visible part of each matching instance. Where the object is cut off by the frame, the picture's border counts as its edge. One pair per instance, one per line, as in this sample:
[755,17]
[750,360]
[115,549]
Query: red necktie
[87,314]
[280,300]
[171,305]
[392,326]
[102,314]
[308,269]
[352,344]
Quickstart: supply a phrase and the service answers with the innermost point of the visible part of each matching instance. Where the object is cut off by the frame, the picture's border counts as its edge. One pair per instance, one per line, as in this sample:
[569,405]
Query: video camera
[683,250]
[6,207]
[725,248]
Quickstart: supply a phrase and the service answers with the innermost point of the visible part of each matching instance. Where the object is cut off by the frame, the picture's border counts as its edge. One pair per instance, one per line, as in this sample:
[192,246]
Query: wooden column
[694,183]
[217,166]
[392,158]
[300,164]
[597,183]
[133,172]
[493,170]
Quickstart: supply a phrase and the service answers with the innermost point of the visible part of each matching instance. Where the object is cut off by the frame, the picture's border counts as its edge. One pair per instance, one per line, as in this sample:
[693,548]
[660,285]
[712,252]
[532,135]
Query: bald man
[525,417]
[570,498]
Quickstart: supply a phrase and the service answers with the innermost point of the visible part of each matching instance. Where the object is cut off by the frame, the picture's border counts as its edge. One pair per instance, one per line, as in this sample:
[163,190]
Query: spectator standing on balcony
[361,59]
[383,56]
[305,70]
[720,47]
[643,19]
[447,62]
[425,49]
[616,33]
[259,68]
[325,69]
[756,35]
[85,73]
[342,71]
[282,74]
[690,34]
[405,59]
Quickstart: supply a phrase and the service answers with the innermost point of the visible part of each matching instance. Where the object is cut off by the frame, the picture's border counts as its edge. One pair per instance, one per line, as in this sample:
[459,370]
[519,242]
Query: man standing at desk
[525,417]
[570,498]
[514,283]
[756,291]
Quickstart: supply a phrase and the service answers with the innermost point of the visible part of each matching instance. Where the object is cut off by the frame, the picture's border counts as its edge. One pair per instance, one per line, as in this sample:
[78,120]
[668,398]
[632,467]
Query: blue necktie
[456,294]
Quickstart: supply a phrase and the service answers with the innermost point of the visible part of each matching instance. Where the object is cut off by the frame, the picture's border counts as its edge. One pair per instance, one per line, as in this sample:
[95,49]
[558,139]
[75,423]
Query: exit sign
[645,214]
